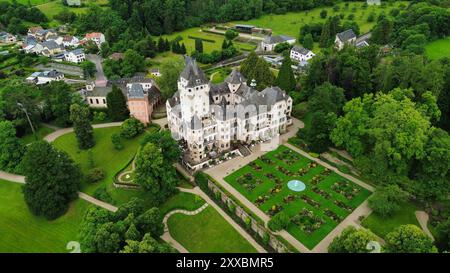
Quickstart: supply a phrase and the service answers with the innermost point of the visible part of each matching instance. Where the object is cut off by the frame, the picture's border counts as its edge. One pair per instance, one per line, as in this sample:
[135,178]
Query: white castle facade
[212,119]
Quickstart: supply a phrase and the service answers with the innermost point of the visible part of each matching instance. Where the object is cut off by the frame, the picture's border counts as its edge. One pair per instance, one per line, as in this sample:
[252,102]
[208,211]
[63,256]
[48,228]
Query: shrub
[131,128]
[280,221]
[95,175]
[231,34]
[117,141]
[202,180]
[99,116]
[386,200]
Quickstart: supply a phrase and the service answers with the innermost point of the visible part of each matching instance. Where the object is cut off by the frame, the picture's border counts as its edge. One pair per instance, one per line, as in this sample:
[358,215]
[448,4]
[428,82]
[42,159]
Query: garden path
[423,218]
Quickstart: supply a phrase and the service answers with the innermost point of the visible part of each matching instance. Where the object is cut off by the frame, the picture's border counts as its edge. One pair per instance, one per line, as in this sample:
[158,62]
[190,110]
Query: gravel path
[423,218]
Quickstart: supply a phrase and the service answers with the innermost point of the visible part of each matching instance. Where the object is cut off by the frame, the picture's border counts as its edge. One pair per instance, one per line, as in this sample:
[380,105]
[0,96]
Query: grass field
[104,154]
[207,232]
[181,200]
[272,193]
[438,49]
[382,226]
[290,23]
[20,231]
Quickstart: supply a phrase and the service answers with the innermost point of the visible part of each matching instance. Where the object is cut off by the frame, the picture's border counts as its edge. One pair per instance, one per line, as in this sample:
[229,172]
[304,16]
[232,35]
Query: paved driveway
[100,78]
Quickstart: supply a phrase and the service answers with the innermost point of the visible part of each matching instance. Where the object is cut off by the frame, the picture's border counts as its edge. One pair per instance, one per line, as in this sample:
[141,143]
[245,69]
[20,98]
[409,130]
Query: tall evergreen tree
[79,114]
[52,180]
[117,104]
[286,78]
[199,45]
[161,45]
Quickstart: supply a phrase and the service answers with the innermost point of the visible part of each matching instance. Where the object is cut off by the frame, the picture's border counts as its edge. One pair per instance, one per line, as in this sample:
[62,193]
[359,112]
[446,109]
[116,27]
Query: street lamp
[20,105]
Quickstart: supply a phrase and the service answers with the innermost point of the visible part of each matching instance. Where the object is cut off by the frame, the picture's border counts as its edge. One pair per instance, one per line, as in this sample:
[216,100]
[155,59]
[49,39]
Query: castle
[213,119]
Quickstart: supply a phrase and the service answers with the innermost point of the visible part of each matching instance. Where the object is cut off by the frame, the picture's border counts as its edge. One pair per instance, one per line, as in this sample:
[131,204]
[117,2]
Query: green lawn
[438,49]
[382,226]
[104,154]
[41,132]
[270,193]
[290,23]
[20,231]
[207,232]
[182,200]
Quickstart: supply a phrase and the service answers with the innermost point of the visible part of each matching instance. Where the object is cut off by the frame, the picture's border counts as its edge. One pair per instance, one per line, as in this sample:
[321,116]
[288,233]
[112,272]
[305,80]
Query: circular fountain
[296,185]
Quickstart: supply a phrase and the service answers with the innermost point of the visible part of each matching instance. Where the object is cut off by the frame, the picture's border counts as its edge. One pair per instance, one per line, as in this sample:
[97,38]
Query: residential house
[373,2]
[73,3]
[97,37]
[363,40]
[75,56]
[7,38]
[96,95]
[32,30]
[210,119]
[270,42]
[70,41]
[50,48]
[45,34]
[301,54]
[155,72]
[343,38]
[44,77]
[141,102]
[116,56]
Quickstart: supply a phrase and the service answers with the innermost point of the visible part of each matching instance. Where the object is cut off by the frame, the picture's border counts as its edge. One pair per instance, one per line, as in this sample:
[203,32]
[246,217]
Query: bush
[131,128]
[279,221]
[99,116]
[231,34]
[386,200]
[96,174]
[117,141]
[202,180]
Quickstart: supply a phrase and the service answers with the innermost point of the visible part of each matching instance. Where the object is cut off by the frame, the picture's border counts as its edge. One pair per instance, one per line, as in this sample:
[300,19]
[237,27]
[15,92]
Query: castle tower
[194,91]
[234,80]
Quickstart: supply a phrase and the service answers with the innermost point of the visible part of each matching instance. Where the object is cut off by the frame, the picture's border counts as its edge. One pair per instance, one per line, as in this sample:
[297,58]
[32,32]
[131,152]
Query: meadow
[438,49]
[20,231]
[290,23]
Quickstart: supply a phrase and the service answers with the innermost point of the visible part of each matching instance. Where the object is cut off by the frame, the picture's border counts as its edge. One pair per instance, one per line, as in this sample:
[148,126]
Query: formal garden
[314,211]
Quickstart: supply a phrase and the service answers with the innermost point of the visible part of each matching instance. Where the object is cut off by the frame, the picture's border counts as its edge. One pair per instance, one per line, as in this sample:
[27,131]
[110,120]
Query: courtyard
[327,199]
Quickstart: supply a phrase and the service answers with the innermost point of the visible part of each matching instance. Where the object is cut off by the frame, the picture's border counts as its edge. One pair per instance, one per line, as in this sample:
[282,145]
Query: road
[100,78]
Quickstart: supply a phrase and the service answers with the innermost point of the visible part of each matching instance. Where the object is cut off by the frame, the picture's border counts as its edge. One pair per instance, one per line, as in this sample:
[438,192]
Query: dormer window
[197,81]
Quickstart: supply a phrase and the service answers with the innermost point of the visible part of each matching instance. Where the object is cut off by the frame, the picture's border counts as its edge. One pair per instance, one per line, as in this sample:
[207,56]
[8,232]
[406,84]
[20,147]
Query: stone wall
[255,226]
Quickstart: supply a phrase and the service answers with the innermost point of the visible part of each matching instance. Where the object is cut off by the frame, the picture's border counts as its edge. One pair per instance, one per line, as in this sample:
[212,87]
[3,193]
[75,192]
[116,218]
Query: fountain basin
[296,185]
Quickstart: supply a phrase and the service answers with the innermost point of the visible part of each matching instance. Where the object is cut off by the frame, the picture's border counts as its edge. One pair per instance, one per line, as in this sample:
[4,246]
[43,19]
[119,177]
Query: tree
[58,98]
[147,245]
[11,149]
[117,104]
[89,69]
[443,237]
[278,222]
[170,72]
[381,33]
[409,239]
[352,240]
[151,221]
[323,14]
[318,136]
[282,47]
[199,45]
[131,128]
[387,200]
[308,41]
[286,79]
[52,180]
[255,68]
[166,143]
[132,62]
[156,177]
[79,115]
[327,98]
